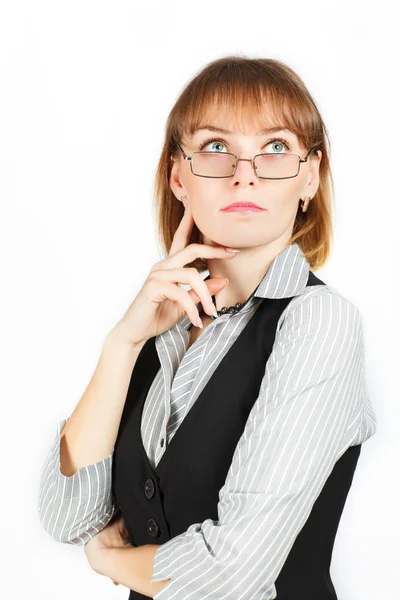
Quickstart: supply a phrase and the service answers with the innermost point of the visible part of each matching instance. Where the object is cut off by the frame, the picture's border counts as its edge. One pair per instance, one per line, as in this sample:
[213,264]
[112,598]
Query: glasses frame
[252,160]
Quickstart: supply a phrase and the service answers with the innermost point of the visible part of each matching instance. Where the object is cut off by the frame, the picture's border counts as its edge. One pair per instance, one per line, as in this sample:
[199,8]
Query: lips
[243,205]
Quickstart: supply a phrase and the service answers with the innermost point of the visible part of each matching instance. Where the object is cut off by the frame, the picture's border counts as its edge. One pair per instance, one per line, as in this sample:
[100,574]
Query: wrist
[102,558]
[118,336]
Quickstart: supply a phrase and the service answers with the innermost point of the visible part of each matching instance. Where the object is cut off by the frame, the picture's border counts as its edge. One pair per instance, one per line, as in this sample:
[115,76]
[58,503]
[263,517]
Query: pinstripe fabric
[312,406]
[73,509]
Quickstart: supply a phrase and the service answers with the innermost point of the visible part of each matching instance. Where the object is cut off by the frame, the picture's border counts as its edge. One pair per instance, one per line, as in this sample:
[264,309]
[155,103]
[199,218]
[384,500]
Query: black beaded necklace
[232,309]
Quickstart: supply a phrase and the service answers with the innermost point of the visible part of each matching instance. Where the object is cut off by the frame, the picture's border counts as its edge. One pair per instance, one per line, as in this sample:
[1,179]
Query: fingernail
[200,324]
[213,309]
[227,280]
[232,250]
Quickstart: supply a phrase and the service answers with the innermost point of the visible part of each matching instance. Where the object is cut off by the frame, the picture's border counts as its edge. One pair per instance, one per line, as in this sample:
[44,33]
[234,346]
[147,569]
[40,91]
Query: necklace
[232,309]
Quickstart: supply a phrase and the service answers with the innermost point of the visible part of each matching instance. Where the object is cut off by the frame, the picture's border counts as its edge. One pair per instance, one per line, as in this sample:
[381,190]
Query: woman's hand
[114,535]
[161,302]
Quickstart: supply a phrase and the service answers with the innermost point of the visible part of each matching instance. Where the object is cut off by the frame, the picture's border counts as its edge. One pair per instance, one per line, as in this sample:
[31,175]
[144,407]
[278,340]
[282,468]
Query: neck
[244,272]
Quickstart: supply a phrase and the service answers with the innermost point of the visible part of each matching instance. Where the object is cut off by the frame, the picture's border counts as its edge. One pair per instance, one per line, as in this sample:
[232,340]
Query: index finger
[182,234]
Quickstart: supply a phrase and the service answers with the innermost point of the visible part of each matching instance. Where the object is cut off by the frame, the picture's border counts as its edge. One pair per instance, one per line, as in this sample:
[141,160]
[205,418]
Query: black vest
[159,504]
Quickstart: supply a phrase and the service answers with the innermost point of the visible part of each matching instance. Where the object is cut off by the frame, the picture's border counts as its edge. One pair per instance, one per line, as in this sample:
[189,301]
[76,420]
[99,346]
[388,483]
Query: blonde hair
[239,85]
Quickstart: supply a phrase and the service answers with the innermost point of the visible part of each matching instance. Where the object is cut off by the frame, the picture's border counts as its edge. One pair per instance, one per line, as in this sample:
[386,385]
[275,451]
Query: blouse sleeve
[311,394]
[72,509]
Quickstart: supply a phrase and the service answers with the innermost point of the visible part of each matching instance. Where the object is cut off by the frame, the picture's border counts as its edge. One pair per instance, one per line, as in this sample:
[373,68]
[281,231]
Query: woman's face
[279,198]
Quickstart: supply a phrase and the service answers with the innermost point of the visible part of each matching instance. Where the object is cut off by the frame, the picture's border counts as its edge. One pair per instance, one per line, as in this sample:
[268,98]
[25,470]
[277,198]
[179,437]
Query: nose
[243,171]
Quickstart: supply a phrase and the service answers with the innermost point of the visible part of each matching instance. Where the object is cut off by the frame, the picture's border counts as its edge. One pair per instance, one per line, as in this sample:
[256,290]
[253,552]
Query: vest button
[153,528]
[162,442]
[149,488]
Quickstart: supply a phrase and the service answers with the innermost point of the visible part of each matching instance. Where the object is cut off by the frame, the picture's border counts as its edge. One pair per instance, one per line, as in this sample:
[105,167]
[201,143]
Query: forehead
[229,130]
[231,122]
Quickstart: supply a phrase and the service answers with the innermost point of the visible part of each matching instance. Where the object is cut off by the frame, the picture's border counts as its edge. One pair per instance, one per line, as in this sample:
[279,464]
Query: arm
[310,395]
[132,567]
[91,432]
[72,509]
[75,494]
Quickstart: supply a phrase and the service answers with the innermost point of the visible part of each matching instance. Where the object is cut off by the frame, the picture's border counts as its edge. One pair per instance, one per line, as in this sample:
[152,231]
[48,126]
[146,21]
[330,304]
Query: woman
[226,447]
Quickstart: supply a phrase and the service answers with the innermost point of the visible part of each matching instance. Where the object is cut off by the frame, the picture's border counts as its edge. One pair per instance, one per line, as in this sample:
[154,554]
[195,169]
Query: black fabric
[159,504]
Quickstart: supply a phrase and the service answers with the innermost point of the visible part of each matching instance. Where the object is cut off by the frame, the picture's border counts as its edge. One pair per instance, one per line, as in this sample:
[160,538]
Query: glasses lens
[213,164]
[277,166]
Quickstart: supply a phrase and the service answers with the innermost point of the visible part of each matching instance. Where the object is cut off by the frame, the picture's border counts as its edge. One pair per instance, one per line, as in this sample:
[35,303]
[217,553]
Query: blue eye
[204,144]
[277,141]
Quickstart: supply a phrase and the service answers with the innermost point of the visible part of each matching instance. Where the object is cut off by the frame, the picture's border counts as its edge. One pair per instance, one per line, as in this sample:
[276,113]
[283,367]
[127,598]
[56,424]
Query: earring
[305,204]
[184,200]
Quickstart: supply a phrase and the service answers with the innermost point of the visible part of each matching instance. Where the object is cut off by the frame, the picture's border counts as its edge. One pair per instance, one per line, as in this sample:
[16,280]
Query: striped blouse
[314,379]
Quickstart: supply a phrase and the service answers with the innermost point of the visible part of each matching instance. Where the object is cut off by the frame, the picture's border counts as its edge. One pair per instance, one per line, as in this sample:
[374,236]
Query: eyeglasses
[224,164]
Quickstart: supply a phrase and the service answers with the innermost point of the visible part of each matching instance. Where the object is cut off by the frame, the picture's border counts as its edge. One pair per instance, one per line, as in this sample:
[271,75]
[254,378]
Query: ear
[175,182]
[312,184]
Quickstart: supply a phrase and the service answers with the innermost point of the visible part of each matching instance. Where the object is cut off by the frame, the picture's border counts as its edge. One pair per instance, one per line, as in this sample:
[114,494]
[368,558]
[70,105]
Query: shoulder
[320,309]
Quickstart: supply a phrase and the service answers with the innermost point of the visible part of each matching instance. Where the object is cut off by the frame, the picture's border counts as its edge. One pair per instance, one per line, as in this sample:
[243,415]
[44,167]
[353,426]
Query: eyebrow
[226,131]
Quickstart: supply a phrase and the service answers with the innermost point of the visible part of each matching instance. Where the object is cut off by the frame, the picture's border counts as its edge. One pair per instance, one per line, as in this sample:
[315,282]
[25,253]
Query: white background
[85,90]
